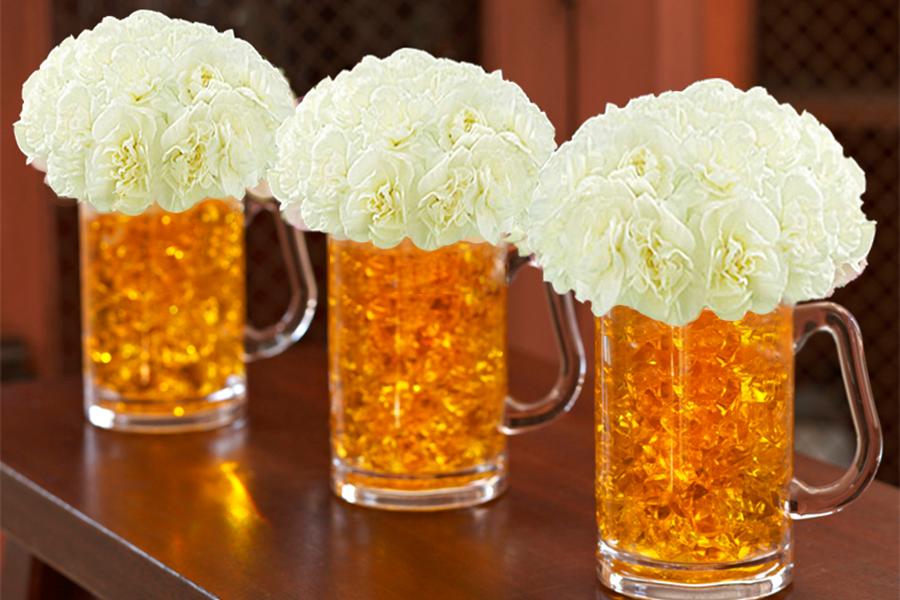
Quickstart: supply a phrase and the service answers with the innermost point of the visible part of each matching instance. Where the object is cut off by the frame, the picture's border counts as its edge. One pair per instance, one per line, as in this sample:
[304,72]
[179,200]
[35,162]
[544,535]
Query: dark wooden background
[837,59]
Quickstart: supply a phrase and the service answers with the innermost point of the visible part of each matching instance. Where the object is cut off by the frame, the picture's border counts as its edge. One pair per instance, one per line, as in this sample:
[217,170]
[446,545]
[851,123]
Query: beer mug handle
[808,501]
[519,416]
[276,338]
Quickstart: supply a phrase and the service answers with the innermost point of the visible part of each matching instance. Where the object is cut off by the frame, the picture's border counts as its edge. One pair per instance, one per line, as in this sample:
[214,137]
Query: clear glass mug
[694,449]
[418,376]
[165,335]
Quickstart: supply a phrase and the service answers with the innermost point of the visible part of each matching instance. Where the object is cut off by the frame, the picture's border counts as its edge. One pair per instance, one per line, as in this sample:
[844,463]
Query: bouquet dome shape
[151,110]
[411,146]
[707,198]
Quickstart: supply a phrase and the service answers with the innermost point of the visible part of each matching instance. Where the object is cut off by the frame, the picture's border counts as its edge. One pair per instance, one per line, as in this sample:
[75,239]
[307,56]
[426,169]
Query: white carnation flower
[210,105]
[738,258]
[646,158]
[393,117]
[506,176]
[71,139]
[776,127]
[804,241]
[40,92]
[248,141]
[189,164]
[600,233]
[120,171]
[139,75]
[853,233]
[411,146]
[446,207]
[661,277]
[725,161]
[324,183]
[375,209]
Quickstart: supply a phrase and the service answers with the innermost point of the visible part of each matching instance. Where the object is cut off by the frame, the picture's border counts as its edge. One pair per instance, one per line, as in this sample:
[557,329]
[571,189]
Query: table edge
[79,547]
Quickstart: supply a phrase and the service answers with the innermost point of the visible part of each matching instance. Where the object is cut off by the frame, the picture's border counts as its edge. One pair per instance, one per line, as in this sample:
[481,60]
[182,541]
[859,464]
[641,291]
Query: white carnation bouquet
[711,197]
[411,146]
[148,110]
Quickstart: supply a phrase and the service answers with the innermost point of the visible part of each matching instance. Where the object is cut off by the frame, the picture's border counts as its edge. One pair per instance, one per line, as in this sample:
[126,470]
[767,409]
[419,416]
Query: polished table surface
[247,512]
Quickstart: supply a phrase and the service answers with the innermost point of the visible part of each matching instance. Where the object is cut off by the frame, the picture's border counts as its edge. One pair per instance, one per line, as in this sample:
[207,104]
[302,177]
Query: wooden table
[247,513]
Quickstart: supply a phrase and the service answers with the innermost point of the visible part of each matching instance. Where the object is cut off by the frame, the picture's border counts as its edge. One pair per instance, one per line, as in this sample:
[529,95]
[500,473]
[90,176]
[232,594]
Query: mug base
[107,409]
[638,577]
[446,491]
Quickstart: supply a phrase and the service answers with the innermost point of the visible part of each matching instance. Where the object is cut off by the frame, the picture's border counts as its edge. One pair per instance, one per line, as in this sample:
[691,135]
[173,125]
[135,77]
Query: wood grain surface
[247,512]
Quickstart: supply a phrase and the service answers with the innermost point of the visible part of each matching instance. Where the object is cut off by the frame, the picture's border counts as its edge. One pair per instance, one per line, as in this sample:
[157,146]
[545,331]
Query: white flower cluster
[151,109]
[411,146]
[706,198]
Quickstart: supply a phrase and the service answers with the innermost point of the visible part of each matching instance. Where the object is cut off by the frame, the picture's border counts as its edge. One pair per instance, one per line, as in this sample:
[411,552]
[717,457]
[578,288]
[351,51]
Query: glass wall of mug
[165,338]
[694,449]
[418,373]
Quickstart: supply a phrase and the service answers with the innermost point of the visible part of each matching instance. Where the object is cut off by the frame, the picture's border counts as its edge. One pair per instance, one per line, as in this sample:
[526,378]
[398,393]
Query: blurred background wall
[835,58]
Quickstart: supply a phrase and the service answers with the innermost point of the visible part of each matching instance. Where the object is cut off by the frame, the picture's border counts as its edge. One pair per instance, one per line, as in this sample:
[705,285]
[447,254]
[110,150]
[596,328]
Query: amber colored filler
[163,306]
[694,444]
[417,344]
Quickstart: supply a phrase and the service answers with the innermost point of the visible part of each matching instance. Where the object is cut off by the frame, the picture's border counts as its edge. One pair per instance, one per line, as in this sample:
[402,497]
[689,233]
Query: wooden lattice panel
[843,45]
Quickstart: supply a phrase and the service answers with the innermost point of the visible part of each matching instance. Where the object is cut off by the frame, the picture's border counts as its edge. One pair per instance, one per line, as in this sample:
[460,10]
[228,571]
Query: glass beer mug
[694,424]
[164,316]
[418,374]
